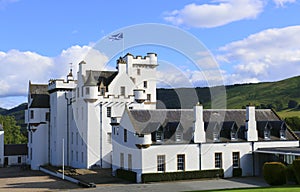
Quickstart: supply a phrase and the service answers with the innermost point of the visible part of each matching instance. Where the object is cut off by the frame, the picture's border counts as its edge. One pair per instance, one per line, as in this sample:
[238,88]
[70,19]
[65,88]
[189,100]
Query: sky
[250,40]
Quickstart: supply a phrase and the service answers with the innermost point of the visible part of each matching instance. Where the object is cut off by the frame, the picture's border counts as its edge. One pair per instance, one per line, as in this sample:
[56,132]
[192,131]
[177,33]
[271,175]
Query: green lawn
[268,189]
[288,113]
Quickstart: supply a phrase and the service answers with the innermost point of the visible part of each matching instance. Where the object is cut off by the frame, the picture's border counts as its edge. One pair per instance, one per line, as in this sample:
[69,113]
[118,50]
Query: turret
[251,133]
[139,95]
[199,132]
[90,88]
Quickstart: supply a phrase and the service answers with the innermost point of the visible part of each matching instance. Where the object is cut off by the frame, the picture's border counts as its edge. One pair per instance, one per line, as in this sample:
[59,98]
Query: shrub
[237,172]
[296,168]
[290,175]
[126,174]
[274,173]
[171,176]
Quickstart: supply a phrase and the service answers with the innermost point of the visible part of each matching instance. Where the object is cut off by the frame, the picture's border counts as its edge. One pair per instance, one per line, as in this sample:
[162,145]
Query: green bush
[237,172]
[126,174]
[290,175]
[296,168]
[274,173]
[172,176]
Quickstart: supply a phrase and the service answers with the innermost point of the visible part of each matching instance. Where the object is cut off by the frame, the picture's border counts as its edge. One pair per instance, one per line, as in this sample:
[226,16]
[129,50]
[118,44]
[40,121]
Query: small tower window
[123,90]
[159,136]
[138,71]
[108,111]
[145,84]
[102,91]
[31,114]
[148,97]
[87,90]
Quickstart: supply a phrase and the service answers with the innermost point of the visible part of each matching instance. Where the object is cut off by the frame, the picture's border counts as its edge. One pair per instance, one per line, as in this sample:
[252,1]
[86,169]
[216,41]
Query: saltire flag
[116,37]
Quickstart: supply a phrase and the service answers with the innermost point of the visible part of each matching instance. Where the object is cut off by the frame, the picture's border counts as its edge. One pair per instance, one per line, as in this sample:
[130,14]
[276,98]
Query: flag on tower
[115,37]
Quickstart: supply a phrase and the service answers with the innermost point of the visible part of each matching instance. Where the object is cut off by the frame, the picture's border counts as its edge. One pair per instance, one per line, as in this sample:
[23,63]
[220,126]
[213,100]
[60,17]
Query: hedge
[296,167]
[237,172]
[290,174]
[126,174]
[171,176]
[274,173]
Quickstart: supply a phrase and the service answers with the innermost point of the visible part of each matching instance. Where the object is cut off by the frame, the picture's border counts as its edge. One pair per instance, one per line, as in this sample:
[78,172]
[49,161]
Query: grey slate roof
[105,77]
[222,121]
[15,149]
[39,95]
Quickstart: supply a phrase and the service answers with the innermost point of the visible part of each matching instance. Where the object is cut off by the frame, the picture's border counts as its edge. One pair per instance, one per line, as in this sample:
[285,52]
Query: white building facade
[157,141]
[73,126]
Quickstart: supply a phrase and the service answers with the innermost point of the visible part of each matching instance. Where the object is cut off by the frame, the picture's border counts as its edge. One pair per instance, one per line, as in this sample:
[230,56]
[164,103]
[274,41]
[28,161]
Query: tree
[293,122]
[292,104]
[12,132]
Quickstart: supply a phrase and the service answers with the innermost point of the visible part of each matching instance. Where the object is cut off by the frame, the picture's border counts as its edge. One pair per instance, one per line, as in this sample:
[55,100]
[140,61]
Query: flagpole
[123,46]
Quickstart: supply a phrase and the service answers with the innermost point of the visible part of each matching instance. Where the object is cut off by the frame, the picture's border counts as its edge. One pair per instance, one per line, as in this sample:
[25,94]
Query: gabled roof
[221,121]
[15,149]
[105,77]
[39,95]
[38,89]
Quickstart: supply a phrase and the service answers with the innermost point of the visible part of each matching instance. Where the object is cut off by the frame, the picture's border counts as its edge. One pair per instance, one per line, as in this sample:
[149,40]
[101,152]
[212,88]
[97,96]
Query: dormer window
[282,134]
[102,91]
[216,136]
[267,134]
[159,136]
[233,135]
[178,136]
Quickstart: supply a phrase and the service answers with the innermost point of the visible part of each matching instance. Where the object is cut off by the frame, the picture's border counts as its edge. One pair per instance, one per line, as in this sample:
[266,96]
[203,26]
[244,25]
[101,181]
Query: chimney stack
[199,132]
[251,134]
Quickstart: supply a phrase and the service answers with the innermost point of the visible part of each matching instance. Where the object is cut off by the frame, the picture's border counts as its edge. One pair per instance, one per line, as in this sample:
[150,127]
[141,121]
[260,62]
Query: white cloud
[4,3]
[17,67]
[218,13]
[271,54]
[281,3]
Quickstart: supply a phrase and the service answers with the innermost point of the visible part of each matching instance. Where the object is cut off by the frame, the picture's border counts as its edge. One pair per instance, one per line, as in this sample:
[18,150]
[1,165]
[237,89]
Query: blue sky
[251,40]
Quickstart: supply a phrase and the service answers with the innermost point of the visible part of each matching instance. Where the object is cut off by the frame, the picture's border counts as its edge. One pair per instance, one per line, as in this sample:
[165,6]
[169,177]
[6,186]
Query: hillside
[274,95]
[263,95]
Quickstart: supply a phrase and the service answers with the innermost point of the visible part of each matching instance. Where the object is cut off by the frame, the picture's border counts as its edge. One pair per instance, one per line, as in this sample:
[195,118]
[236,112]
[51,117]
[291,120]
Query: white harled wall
[1,148]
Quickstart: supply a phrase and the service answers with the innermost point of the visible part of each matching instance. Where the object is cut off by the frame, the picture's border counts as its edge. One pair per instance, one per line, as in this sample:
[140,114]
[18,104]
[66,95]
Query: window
[87,90]
[267,134]
[108,111]
[218,160]
[180,162]
[77,138]
[82,91]
[31,114]
[125,135]
[123,90]
[138,71]
[72,156]
[161,163]
[76,155]
[178,136]
[72,138]
[114,130]
[47,116]
[78,92]
[159,136]
[109,138]
[282,134]
[30,153]
[31,137]
[236,159]
[102,91]
[81,138]
[233,135]
[121,160]
[216,136]
[148,97]
[19,160]
[129,162]
[81,157]
[145,84]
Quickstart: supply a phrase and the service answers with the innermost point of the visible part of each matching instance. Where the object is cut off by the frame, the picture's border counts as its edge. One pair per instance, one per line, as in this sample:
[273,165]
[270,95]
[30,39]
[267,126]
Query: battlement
[150,59]
[60,84]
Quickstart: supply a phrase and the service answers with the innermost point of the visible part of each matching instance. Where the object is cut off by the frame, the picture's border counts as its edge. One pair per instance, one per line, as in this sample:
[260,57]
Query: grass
[260,189]
[288,113]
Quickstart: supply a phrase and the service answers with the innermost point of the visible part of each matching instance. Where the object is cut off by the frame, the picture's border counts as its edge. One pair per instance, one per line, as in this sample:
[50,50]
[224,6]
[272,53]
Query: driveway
[17,179]
[177,186]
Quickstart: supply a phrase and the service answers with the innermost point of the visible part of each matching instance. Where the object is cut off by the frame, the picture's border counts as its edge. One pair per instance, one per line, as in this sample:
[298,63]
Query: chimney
[199,132]
[251,134]
[121,65]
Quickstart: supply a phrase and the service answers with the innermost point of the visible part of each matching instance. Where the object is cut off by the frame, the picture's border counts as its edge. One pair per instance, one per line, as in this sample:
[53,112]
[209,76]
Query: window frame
[161,163]
[236,159]
[218,160]
[180,162]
